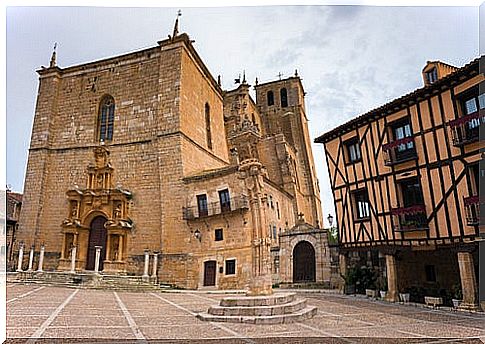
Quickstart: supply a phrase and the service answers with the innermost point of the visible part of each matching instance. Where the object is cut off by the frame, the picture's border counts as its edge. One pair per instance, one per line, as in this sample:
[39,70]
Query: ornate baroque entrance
[97,237]
[98,215]
[303,262]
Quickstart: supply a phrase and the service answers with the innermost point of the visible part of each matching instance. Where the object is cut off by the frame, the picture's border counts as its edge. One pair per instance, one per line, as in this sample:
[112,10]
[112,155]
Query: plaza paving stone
[62,315]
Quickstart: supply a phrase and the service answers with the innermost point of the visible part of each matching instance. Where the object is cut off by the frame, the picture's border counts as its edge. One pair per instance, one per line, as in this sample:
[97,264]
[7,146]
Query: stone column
[21,257]
[155,265]
[41,258]
[31,258]
[120,247]
[73,259]
[97,258]
[392,292]
[468,281]
[145,269]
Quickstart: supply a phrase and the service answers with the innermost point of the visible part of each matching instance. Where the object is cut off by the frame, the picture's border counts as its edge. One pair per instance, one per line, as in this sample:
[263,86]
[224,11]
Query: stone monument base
[271,309]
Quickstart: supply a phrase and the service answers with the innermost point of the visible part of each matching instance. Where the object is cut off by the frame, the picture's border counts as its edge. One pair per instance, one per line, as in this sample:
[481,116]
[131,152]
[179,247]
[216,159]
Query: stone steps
[286,308]
[272,309]
[306,313]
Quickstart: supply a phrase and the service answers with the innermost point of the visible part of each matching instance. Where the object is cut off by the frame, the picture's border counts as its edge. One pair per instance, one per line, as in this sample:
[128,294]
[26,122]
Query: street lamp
[330,220]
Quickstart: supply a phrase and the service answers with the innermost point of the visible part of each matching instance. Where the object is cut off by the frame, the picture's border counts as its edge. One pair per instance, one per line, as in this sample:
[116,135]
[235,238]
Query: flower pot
[433,301]
[350,289]
[371,293]
[383,294]
[404,297]
[456,303]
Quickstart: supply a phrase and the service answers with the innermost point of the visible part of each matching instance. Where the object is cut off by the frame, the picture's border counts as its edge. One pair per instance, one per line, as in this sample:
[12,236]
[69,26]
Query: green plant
[361,277]
[456,291]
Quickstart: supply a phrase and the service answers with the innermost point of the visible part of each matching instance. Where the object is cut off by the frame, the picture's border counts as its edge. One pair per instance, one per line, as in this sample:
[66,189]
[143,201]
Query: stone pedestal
[41,258]
[468,281]
[155,266]
[73,259]
[21,258]
[97,258]
[145,276]
[31,259]
[392,294]
[260,285]
[274,309]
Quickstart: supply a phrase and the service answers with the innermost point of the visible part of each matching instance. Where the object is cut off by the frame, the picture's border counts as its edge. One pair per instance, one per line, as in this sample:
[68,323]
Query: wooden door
[210,273]
[97,237]
[303,262]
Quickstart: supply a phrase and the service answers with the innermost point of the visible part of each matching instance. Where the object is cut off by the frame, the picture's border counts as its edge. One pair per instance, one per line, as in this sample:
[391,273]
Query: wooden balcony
[410,218]
[472,210]
[399,151]
[216,208]
[466,129]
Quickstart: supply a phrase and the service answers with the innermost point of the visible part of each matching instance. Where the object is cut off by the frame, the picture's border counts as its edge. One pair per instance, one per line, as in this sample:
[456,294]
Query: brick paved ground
[55,314]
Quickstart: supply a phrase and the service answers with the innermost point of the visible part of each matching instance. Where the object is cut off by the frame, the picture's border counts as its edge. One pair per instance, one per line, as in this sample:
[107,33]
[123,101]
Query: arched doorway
[97,237]
[303,262]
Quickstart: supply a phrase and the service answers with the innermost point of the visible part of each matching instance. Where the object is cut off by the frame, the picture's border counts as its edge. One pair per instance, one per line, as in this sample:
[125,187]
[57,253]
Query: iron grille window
[362,206]
[284,97]
[225,200]
[106,119]
[218,235]
[202,205]
[230,267]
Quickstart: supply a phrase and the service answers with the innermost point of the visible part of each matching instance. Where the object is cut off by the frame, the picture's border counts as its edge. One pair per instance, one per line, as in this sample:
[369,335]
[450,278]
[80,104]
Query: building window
[202,205]
[284,97]
[208,125]
[218,236]
[225,200]
[411,192]
[106,119]
[271,202]
[270,97]
[432,75]
[275,234]
[362,206]
[471,105]
[230,267]
[278,210]
[430,273]
[353,150]
[400,131]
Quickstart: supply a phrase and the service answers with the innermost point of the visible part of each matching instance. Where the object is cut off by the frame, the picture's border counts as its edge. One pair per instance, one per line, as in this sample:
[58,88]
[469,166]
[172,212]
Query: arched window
[270,97]
[208,125]
[284,97]
[106,119]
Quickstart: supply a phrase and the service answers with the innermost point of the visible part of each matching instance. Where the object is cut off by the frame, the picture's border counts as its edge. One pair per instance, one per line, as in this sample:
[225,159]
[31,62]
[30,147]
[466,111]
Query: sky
[351,58]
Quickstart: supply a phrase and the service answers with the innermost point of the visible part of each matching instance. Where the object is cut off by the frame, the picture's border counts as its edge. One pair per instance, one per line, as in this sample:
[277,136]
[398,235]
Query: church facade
[144,155]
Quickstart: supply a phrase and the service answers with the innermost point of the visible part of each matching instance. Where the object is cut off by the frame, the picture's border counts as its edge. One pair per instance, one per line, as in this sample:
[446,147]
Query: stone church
[145,158]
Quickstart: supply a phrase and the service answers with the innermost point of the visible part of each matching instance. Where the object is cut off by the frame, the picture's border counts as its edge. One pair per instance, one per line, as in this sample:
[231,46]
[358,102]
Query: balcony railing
[410,218]
[399,151]
[216,208]
[466,129]
[472,210]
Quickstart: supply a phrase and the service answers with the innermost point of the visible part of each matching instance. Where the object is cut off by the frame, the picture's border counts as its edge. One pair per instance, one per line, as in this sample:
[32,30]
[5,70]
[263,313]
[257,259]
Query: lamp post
[330,220]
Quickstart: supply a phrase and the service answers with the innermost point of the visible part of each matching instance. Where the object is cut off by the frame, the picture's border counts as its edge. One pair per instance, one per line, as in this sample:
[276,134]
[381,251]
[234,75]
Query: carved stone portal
[98,199]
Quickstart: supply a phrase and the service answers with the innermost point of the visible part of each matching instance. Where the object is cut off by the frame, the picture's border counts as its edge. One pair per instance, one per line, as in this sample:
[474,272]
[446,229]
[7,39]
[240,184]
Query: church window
[284,97]
[208,125]
[106,119]
[270,97]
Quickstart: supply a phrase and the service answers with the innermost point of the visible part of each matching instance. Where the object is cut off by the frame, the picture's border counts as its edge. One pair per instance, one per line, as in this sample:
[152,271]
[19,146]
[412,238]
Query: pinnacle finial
[244,77]
[176,26]
[53,57]
[296,73]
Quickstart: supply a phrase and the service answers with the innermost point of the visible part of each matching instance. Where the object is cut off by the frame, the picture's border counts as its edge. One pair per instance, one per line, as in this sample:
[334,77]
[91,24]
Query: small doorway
[97,237]
[303,262]
[210,273]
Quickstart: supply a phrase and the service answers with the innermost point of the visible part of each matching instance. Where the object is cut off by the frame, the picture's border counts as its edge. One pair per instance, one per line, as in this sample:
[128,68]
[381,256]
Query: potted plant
[382,286]
[457,295]
[404,297]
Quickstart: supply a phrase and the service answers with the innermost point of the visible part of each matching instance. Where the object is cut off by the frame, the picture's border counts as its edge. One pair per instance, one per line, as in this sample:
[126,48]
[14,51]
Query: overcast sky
[351,58]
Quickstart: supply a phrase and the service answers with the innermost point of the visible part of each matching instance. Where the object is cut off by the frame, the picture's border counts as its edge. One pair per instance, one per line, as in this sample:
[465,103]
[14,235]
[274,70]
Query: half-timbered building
[405,180]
